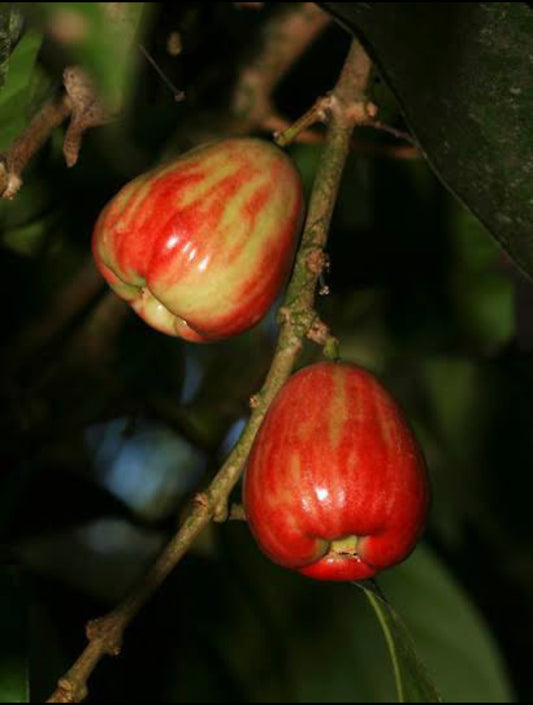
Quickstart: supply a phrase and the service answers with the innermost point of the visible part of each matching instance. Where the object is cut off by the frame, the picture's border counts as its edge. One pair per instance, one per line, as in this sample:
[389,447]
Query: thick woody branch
[297,318]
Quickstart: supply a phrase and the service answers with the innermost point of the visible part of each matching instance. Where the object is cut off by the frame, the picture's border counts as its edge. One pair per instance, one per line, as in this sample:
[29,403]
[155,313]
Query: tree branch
[80,102]
[29,142]
[285,37]
[296,318]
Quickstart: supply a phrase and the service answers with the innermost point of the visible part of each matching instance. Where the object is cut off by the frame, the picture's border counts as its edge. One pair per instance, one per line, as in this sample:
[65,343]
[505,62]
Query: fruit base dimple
[339,560]
[346,546]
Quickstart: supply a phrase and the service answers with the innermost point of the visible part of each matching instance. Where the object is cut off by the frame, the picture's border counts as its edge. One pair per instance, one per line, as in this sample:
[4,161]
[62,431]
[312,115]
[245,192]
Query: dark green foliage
[108,427]
[462,75]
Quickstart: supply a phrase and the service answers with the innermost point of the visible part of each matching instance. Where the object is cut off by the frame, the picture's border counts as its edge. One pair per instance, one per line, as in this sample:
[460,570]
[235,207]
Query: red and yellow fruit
[201,247]
[336,486]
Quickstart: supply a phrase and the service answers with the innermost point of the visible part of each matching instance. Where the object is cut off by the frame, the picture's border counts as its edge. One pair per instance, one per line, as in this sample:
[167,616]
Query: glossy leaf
[462,73]
[324,643]
[450,634]
[413,683]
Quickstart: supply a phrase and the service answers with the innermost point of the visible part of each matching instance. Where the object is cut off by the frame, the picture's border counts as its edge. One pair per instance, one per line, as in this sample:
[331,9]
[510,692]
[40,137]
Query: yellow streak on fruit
[337,411]
[214,168]
[295,473]
[187,299]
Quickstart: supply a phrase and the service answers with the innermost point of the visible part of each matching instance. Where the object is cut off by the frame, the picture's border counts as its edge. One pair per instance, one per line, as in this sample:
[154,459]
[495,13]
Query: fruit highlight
[336,486]
[201,247]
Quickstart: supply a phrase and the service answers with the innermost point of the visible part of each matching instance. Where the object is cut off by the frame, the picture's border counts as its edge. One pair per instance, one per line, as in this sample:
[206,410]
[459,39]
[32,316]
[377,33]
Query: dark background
[109,427]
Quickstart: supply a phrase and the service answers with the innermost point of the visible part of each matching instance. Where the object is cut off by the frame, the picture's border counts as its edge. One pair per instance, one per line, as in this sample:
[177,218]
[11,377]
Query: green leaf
[323,643]
[451,636]
[462,74]
[17,91]
[101,42]
[14,684]
[10,29]
[413,682]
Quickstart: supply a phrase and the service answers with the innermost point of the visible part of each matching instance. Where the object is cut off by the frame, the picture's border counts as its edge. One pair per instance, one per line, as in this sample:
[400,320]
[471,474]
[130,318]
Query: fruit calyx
[344,547]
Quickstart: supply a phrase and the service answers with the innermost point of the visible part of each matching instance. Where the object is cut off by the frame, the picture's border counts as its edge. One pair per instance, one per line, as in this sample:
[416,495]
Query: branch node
[201,501]
[357,112]
[68,692]
[318,332]
[299,319]
[317,261]
[318,112]
[107,631]
[362,111]
[254,401]
[10,183]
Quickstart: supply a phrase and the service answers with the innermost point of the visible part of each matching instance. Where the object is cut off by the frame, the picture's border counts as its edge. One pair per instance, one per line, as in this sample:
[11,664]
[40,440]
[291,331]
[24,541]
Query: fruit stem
[317,113]
[331,349]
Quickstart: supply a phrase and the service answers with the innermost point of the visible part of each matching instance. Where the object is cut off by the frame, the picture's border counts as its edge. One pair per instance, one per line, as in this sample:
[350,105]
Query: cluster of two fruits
[335,485]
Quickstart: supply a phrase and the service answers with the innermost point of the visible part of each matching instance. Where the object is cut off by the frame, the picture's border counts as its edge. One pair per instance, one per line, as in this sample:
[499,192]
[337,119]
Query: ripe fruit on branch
[201,247]
[336,485]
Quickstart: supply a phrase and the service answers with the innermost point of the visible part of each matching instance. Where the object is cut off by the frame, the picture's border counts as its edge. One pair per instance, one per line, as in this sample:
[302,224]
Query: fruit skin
[335,460]
[201,247]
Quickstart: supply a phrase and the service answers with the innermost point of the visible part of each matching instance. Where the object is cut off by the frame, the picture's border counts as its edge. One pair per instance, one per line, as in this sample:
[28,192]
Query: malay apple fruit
[201,247]
[335,486]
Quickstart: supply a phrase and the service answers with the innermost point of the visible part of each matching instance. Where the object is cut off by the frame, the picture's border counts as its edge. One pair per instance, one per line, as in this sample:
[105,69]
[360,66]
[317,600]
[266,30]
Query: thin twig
[178,95]
[400,134]
[29,142]
[297,316]
[388,151]
[317,113]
